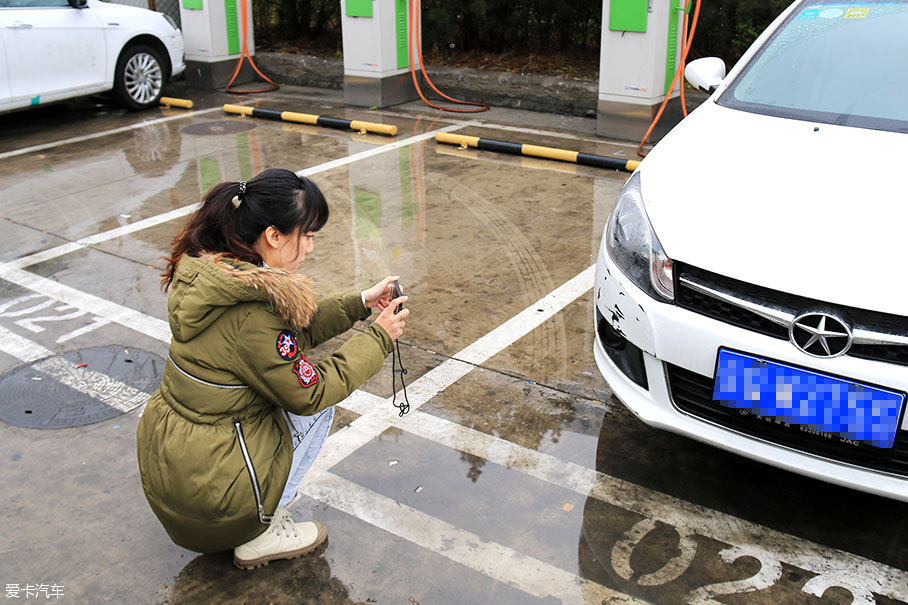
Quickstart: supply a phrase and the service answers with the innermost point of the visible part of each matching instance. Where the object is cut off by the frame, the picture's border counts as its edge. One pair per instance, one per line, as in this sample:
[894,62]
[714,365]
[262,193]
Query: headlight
[170,20]
[633,245]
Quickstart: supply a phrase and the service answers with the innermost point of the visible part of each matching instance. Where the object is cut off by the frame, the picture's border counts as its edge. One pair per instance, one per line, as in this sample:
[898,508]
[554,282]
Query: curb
[549,94]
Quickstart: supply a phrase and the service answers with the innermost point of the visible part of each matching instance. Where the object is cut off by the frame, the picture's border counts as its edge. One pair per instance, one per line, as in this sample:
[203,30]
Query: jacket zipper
[256,490]
[205,382]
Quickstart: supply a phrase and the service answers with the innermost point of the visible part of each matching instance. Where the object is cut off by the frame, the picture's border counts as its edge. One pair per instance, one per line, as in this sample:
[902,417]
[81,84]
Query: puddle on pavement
[469,256]
[47,124]
[522,412]
[88,115]
[472,494]
[214,579]
[359,564]
[342,419]
[468,259]
[655,562]
[79,190]
[704,475]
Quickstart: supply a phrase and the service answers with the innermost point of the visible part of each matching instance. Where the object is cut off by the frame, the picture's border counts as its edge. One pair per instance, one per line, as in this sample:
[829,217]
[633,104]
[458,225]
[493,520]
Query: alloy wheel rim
[143,78]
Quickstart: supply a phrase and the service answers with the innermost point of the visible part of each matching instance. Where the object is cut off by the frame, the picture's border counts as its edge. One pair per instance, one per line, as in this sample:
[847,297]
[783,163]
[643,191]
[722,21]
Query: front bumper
[667,334]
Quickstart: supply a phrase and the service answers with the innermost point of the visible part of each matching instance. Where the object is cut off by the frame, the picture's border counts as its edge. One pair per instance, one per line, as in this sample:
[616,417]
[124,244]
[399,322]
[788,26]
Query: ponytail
[233,216]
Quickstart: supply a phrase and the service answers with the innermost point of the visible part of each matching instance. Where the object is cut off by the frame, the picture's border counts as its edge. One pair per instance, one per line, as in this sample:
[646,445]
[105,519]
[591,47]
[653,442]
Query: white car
[750,287]
[52,50]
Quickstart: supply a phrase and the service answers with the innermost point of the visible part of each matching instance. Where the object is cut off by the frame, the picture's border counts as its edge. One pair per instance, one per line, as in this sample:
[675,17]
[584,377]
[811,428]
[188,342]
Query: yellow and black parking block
[549,153]
[307,118]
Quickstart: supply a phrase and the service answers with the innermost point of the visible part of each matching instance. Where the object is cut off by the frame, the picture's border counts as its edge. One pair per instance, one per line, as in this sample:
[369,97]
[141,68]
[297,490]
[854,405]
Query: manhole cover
[56,393]
[220,127]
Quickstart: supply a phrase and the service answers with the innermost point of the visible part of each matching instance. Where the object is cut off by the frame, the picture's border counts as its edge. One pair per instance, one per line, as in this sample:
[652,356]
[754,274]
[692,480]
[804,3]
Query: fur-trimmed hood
[204,287]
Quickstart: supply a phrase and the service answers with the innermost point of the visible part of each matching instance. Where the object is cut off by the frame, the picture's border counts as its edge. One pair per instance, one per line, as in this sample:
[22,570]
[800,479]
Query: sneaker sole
[320,539]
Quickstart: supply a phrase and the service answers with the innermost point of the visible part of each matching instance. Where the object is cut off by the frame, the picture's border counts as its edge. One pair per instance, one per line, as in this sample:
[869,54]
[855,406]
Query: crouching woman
[241,413]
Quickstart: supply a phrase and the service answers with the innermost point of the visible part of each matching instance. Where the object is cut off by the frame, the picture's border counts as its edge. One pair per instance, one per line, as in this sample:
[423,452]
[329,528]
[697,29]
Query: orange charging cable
[414,7]
[678,72]
[244,54]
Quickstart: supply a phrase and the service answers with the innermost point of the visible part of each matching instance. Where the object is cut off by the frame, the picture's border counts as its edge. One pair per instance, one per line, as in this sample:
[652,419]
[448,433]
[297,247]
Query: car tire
[140,76]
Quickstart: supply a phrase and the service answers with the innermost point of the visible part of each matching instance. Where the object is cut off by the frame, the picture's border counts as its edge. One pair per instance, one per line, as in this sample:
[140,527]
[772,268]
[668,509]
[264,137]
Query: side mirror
[78,3]
[705,74]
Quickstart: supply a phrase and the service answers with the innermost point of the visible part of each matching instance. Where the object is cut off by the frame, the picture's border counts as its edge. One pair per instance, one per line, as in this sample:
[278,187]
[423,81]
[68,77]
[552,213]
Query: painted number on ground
[23,308]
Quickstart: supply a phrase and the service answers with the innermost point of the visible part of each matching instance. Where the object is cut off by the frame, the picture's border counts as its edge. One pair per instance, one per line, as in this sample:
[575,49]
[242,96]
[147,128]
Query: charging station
[212,35]
[376,52]
[641,49]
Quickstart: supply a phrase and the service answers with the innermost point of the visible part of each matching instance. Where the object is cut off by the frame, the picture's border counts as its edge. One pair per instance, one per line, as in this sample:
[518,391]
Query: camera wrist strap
[403,406]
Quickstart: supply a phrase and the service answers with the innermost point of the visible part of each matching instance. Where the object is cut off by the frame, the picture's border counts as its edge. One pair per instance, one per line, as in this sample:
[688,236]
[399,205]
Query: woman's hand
[379,295]
[393,324]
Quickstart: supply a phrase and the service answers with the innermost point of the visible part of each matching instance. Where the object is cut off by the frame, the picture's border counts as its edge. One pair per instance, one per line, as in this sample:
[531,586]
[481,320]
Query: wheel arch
[155,43]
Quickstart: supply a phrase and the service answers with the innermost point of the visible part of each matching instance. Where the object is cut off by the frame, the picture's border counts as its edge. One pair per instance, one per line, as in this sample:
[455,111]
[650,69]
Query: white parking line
[104,133]
[96,385]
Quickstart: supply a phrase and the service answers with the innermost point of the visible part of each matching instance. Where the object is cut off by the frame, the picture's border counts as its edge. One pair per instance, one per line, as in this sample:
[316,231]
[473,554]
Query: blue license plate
[796,396]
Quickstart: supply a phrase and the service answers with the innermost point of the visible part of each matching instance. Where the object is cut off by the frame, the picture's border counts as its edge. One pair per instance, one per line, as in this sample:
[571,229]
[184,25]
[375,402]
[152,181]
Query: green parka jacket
[240,334]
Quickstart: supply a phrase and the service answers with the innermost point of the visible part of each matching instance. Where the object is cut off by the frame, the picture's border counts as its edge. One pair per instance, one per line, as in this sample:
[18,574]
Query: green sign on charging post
[358,8]
[628,15]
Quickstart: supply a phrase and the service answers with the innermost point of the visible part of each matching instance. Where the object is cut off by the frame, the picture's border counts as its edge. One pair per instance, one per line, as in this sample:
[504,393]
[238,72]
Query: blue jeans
[308,434]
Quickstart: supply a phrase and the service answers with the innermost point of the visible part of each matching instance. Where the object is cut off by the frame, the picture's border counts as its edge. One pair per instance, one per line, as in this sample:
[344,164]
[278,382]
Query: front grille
[723,311]
[891,353]
[693,393]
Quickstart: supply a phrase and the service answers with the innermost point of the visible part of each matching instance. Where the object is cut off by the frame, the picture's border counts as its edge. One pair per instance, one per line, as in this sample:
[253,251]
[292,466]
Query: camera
[396,293]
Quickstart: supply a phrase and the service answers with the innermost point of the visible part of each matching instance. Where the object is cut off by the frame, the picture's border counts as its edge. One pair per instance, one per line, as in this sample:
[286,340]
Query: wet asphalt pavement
[516,478]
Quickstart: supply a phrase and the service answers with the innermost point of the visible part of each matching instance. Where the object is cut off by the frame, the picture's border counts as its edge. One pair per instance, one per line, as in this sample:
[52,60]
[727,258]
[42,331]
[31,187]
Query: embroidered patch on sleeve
[305,372]
[286,346]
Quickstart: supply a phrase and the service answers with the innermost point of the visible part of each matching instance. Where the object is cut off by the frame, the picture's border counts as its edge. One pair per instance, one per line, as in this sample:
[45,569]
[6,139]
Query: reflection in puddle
[388,208]
[671,520]
[214,579]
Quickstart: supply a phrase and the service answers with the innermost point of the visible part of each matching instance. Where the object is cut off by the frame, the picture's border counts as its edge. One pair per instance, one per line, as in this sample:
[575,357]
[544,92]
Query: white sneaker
[283,539]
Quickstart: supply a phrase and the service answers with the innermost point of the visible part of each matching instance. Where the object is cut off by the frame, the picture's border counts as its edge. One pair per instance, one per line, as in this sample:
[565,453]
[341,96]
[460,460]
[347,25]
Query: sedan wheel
[139,78]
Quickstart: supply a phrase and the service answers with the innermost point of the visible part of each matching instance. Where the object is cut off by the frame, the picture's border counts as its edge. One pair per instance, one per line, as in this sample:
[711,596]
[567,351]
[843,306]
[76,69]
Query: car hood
[811,209]
[109,10]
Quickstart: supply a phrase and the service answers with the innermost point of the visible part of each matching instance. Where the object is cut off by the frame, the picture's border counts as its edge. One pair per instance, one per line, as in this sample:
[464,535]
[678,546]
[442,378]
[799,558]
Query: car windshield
[832,62]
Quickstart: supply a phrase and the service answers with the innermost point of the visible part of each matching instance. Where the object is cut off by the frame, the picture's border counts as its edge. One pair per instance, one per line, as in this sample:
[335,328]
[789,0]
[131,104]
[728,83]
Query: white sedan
[52,50]
[750,288]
